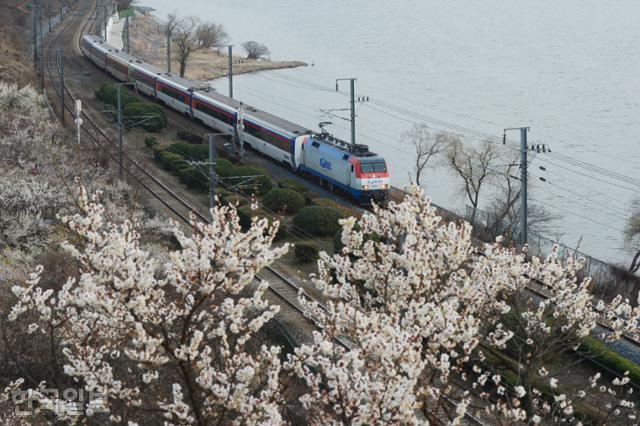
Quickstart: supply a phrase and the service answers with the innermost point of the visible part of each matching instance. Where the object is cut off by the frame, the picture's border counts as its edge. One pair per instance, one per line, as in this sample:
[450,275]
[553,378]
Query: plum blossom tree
[171,340]
[409,302]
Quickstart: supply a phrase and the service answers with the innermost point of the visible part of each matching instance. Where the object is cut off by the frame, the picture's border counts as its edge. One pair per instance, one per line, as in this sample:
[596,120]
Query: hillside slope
[15,63]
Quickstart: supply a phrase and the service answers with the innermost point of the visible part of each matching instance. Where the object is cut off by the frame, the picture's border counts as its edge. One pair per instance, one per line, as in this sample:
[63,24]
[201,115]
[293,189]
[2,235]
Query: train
[353,169]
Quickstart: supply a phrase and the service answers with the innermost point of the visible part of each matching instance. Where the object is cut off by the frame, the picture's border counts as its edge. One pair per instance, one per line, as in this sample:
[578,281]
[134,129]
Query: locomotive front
[371,178]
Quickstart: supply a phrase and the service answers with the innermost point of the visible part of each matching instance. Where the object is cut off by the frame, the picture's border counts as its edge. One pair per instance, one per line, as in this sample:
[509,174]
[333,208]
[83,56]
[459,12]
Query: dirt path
[148,42]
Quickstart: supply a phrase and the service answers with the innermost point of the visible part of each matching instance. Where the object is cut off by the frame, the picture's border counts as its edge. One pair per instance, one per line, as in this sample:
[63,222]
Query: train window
[352,168]
[267,136]
[174,94]
[212,112]
[315,144]
[377,167]
[345,157]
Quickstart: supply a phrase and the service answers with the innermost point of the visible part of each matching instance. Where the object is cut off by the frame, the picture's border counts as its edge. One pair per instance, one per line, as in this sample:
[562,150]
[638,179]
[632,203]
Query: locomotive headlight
[385,186]
[365,187]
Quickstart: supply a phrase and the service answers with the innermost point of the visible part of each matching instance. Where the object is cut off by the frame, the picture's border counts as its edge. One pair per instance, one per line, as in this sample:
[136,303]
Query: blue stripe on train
[358,194]
[350,190]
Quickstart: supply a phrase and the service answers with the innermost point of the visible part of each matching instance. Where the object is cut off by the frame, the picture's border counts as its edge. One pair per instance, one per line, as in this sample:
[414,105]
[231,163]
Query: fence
[45,24]
[608,279]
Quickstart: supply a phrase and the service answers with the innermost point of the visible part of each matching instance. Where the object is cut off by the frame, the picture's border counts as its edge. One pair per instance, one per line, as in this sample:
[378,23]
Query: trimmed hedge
[150,141]
[192,152]
[344,211]
[246,214]
[134,109]
[292,184]
[318,221]
[233,200]
[305,253]
[610,359]
[145,115]
[192,138]
[193,178]
[284,200]
[309,196]
[108,93]
[263,181]
[168,160]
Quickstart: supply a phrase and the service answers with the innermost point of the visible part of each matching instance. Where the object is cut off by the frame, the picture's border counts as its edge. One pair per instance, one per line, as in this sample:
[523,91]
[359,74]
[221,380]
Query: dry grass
[148,41]
[16,65]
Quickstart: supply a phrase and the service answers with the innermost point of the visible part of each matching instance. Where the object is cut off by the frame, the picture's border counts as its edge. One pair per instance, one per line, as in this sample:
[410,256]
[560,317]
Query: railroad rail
[283,288]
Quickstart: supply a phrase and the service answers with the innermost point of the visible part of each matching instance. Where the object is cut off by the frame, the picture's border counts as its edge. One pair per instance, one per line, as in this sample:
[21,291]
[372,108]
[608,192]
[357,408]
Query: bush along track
[135,111]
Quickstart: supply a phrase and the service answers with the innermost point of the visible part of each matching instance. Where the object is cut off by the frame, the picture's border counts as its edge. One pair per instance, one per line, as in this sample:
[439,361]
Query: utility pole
[120,155]
[353,108]
[231,71]
[61,59]
[49,13]
[126,25]
[523,180]
[213,178]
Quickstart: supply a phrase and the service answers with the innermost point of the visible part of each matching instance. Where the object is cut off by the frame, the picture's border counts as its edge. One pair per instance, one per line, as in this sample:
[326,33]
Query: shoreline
[148,42]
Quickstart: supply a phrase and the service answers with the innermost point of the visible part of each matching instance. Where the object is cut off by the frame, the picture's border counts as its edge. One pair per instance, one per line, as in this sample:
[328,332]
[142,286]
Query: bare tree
[426,146]
[186,41]
[632,235]
[210,34]
[474,166]
[255,50]
[172,24]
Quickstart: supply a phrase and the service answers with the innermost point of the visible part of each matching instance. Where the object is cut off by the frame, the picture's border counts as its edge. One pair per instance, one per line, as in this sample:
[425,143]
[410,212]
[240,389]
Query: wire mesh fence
[608,280]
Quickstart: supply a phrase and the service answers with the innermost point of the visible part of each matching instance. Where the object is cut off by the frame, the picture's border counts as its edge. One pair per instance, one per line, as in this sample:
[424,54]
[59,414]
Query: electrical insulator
[543,168]
[543,179]
[504,139]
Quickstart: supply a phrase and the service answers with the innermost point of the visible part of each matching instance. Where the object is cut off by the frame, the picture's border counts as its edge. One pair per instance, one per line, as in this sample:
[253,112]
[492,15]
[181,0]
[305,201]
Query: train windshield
[377,167]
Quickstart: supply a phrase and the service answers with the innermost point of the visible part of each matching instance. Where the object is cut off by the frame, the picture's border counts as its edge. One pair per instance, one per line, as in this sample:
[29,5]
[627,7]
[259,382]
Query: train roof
[281,123]
[359,151]
[217,97]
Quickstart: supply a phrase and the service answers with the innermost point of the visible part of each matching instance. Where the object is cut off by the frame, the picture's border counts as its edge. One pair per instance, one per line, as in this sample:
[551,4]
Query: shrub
[610,359]
[193,178]
[169,160]
[224,168]
[305,253]
[245,214]
[108,93]
[235,200]
[150,141]
[192,152]
[317,220]
[344,211]
[262,182]
[145,115]
[292,184]
[190,137]
[284,200]
[309,196]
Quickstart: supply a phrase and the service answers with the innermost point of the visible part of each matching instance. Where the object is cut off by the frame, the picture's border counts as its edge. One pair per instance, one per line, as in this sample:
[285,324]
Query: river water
[569,70]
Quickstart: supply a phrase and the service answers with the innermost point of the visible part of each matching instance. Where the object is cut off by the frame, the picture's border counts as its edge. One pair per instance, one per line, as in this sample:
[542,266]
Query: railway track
[280,287]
